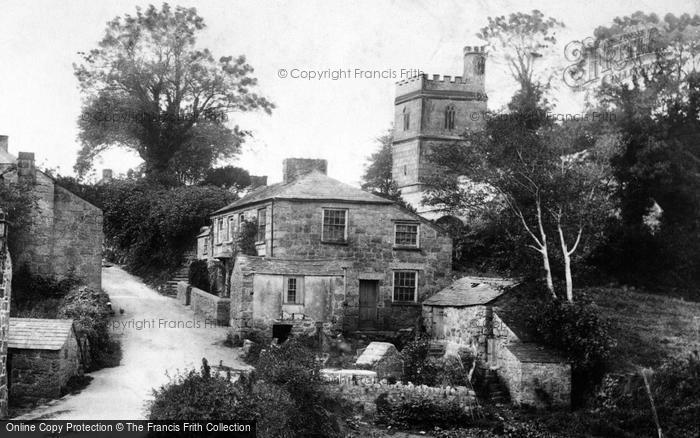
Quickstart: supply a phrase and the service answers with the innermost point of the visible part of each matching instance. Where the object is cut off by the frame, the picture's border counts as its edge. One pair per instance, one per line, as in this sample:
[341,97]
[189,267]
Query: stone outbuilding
[474,313]
[65,234]
[328,255]
[43,354]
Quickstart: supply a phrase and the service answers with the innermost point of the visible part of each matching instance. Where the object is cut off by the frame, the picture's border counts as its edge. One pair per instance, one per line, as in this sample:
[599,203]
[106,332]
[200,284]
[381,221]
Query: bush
[199,275]
[91,313]
[577,330]
[37,296]
[151,226]
[423,412]
[421,369]
[625,408]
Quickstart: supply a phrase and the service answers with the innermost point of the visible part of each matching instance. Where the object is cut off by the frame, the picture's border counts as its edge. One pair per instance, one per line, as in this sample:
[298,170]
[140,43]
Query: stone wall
[367,393]
[77,238]
[5,294]
[538,384]
[184,293]
[464,326]
[65,234]
[34,375]
[210,306]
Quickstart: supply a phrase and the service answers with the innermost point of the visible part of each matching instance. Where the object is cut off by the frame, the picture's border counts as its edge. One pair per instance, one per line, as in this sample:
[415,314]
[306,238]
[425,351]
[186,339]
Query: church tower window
[450,117]
[406,119]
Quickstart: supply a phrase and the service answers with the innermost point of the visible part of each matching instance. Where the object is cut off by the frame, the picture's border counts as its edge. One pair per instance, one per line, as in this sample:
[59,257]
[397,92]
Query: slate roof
[312,186]
[39,334]
[263,265]
[470,291]
[529,352]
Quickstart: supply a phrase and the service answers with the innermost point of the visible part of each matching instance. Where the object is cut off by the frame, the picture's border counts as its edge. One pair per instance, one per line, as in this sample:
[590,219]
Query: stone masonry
[65,235]
[5,293]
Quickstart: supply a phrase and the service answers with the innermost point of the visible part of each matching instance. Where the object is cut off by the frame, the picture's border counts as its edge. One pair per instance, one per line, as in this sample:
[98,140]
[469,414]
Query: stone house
[328,254]
[43,354]
[472,313]
[65,235]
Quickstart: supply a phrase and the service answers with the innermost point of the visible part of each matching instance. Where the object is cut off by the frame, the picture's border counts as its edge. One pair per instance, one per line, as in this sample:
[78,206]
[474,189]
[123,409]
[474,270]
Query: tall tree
[377,177]
[656,109]
[519,41]
[147,87]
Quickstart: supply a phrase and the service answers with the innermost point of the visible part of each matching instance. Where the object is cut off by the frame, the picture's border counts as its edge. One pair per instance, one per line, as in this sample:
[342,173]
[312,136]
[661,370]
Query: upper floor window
[205,246]
[406,234]
[231,227]
[450,117]
[335,225]
[294,290]
[219,230]
[406,119]
[405,286]
[262,222]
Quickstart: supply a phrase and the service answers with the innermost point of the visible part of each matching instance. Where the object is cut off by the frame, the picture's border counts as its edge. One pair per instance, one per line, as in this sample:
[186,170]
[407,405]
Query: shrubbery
[424,412]
[35,296]
[199,275]
[421,369]
[284,395]
[577,330]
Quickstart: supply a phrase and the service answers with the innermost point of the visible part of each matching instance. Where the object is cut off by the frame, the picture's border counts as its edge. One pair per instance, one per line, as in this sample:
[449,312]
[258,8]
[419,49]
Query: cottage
[328,255]
[43,354]
[473,313]
[65,235]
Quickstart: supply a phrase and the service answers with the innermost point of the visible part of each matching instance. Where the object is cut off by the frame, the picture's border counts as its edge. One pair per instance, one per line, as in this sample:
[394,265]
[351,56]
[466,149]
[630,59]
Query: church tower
[434,111]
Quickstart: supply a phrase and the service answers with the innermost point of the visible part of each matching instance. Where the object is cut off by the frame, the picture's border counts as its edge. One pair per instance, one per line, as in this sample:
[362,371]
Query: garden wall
[210,306]
[361,391]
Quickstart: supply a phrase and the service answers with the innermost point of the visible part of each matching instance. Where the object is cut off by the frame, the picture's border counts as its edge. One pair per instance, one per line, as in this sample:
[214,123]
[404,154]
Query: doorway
[369,292]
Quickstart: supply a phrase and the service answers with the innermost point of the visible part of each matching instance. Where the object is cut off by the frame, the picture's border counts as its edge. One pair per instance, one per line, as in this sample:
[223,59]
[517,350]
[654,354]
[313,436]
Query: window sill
[335,242]
[405,303]
[406,248]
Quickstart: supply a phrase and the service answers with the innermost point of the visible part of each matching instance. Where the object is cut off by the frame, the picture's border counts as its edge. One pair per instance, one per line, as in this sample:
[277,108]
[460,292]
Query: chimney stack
[293,168]
[4,140]
[257,181]
[106,175]
[26,172]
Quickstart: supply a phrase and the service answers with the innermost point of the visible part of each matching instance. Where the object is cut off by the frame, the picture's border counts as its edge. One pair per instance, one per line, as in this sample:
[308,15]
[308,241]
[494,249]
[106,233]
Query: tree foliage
[520,40]
[149,88]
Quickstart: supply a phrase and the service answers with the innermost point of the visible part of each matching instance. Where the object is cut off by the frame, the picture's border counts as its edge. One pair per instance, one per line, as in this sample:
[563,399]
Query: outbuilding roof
[264,265]
[470,291]
[39,334]
[533,353]
[312,186]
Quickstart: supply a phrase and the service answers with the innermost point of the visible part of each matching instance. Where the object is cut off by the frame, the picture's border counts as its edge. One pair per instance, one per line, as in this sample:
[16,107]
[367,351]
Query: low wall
[184,292]
[366,393]
[210,306]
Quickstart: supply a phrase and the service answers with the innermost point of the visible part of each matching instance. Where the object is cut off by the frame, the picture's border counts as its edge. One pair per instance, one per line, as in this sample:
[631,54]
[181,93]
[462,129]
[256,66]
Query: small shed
[461,314]
[43,354]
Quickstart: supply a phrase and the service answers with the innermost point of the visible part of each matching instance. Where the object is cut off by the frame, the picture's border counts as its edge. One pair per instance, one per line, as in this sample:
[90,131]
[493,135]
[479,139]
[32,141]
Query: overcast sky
[337,120]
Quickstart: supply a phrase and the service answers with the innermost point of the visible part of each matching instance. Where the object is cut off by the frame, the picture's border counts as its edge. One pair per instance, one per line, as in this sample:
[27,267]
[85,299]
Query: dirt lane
[158,335]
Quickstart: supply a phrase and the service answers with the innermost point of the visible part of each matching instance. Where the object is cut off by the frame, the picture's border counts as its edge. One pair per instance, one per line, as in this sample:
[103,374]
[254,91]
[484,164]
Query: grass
[649,328]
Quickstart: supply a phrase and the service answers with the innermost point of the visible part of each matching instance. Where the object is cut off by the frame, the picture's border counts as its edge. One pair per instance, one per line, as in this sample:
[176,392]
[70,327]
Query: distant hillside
[648,328]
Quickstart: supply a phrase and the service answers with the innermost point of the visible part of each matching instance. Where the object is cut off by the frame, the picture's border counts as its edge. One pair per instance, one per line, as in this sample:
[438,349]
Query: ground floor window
[405,286]
[293,290]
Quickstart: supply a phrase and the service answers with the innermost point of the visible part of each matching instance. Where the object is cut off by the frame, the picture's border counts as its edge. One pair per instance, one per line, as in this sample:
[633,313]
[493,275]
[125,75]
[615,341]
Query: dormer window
[450,117]
[406,119]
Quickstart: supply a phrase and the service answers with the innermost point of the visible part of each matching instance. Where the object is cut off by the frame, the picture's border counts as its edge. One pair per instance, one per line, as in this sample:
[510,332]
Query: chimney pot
[293,168]
[257,181]
[4,140]
[107,174]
